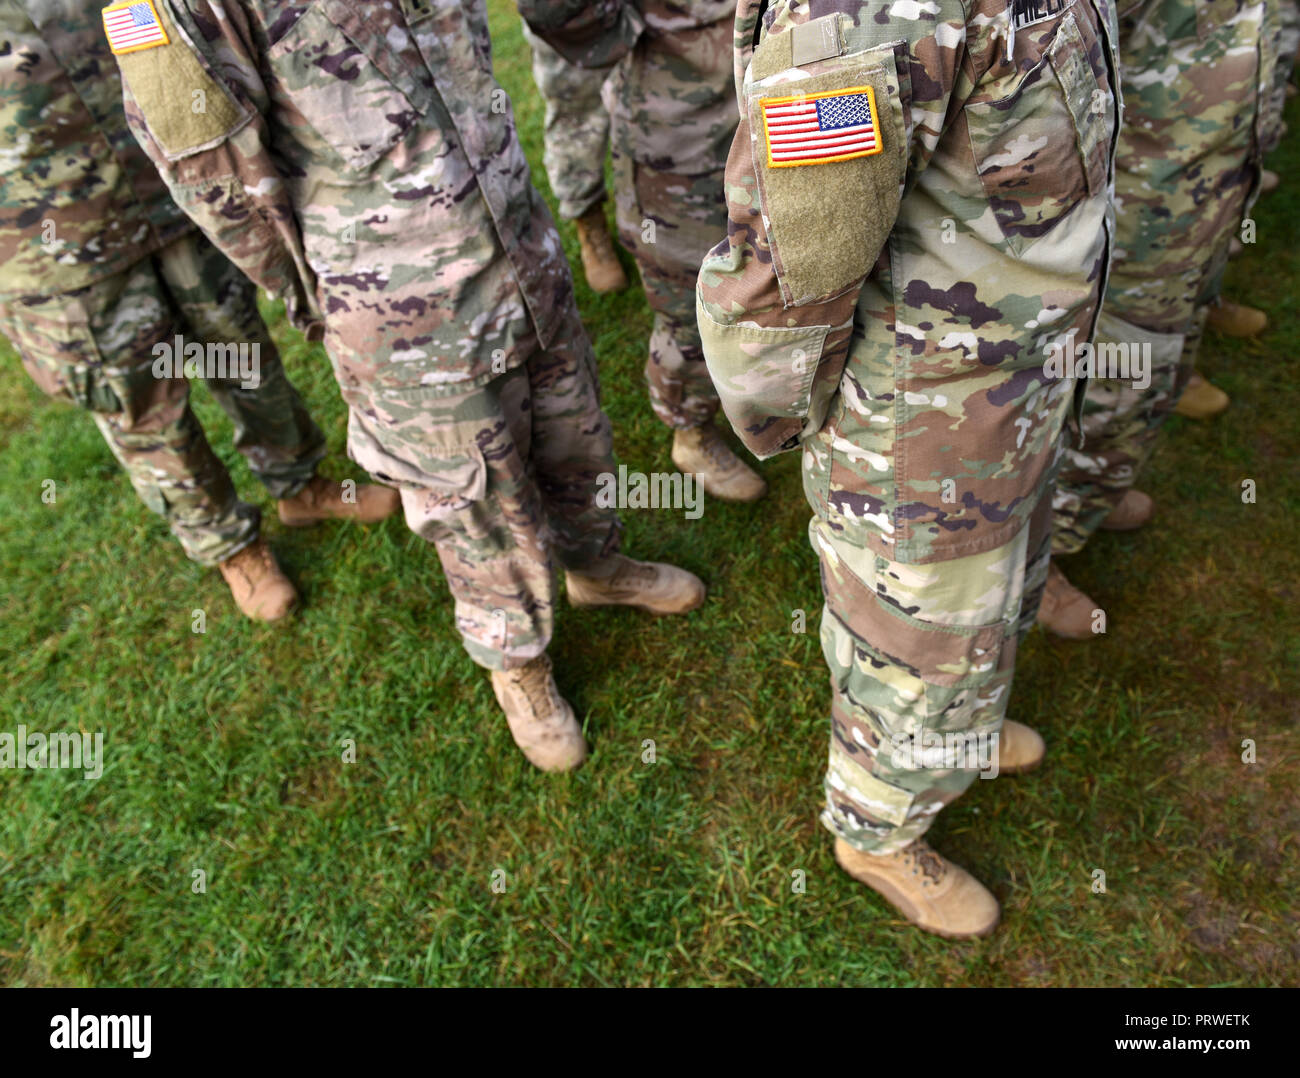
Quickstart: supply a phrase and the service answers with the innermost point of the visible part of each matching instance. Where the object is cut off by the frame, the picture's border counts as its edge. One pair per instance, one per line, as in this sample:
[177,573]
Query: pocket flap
[829,153]
[452,471]
[764,379]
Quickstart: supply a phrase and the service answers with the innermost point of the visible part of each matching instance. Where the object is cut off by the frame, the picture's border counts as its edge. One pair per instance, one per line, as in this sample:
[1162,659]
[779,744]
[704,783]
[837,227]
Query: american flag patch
[813,129]
[133,26]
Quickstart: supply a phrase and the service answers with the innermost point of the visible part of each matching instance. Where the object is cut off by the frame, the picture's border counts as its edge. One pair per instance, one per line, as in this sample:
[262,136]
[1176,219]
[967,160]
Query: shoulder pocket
[353,72]
[829,145]
[1043,149]
[186,105]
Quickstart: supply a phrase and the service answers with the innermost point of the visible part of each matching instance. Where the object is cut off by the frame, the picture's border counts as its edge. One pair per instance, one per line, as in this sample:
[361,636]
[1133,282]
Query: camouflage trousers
[670,217]
[1121,423]
[918,654]
[96,348]
[496,478]
[576,131]
[1280,41]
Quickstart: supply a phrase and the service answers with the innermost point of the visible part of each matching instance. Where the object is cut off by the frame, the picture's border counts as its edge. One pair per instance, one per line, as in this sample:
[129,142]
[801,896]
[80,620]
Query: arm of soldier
[589,35]
[775,368]
[198,112]
[809,222]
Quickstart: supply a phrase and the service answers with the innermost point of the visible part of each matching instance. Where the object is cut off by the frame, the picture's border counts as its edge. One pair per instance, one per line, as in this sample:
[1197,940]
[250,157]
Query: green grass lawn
[224,749]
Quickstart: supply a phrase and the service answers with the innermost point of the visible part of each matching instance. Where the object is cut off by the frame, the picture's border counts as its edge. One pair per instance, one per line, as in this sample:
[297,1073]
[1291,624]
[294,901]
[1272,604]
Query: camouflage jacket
[972,239]
[78,199]
[360,160]
[1189,155]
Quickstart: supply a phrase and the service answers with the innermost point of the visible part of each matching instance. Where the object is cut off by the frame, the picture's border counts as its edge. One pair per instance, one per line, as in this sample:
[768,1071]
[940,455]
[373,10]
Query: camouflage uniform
[98,265]
[1187,169]
[1280,42]
[576,132]
[892,312]
[349,158]
[673,117]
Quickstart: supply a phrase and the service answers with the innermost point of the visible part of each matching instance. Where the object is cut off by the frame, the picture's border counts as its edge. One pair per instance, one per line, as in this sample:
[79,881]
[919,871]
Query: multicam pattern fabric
[98,265]
[1187,169]
[575,135]
[895,315]
[79,202]
[361,160]
[93,347]
[673,117]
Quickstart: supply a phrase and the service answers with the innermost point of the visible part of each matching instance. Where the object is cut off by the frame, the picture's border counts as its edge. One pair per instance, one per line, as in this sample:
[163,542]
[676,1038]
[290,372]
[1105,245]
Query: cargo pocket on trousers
[1131,353]
[440,480]
[60,354]
[764,379]
[947,661]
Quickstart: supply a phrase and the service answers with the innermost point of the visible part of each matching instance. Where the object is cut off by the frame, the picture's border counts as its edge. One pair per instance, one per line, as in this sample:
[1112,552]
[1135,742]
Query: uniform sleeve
[810,213]
[589,35]
[197,106]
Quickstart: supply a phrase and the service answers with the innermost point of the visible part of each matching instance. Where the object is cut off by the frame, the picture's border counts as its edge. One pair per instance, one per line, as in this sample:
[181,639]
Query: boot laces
[925,861]
[534,681]
[718,452]
[634,572]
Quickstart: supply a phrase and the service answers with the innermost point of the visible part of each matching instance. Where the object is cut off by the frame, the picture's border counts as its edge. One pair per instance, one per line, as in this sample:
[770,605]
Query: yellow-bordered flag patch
[133,26]
[815,129]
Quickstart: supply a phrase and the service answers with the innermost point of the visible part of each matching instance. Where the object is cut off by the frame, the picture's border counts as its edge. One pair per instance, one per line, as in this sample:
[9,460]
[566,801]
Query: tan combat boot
[600,263]
[1130,513]
[541,720]
[1201,399]
[1269,181]
[322,499]
[1236,319]
[1065,610]
[926,888]
[260,588]
[702,452]
[647,585]
[1020,748]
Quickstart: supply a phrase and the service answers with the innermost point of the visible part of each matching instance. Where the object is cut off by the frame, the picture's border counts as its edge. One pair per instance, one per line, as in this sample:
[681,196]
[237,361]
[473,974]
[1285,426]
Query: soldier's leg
[1122,418]
[570,443]
[920,655]
[460,463]
[576,130]
[674,115]
[217,305]
[673,108]
[94,348]
[669,222]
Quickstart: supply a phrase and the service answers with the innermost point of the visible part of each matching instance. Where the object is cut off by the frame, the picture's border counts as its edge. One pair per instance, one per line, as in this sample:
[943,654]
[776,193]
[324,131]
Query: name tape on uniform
[1031,12]
[816,129]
